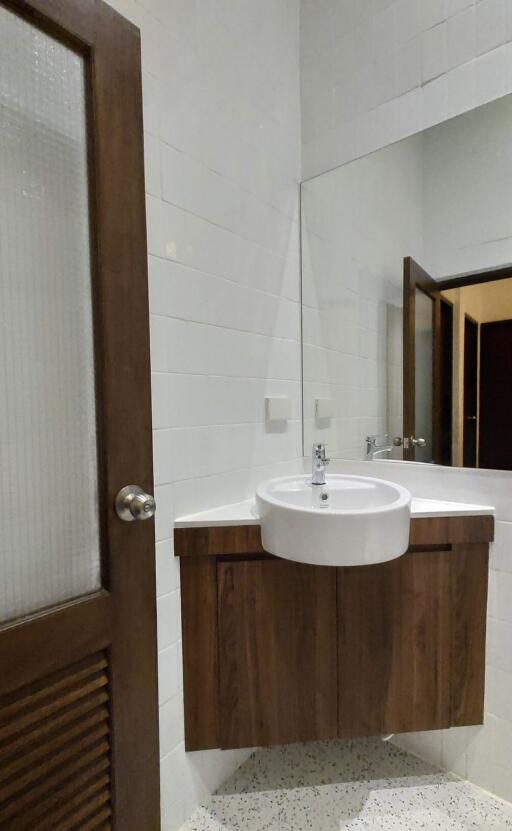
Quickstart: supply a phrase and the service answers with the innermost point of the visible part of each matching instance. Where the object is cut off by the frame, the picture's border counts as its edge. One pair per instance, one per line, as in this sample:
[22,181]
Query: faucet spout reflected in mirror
[379,445]
[320,462]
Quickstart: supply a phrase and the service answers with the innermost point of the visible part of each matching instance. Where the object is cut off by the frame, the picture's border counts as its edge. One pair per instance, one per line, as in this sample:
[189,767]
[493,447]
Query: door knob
[398,441]
[133,503]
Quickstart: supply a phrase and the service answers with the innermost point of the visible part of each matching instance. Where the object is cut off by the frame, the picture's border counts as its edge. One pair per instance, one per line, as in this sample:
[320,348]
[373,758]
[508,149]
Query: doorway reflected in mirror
[482,376]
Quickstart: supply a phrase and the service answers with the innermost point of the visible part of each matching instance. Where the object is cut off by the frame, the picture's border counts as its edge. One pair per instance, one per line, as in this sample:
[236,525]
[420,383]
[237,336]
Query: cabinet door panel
[368,599]
[470,570]
[277,653]
[394,645]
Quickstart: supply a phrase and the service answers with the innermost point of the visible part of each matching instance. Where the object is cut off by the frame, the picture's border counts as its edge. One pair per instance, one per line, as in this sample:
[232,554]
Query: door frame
[120,619]
[446,382]
[490,275]
[468,323]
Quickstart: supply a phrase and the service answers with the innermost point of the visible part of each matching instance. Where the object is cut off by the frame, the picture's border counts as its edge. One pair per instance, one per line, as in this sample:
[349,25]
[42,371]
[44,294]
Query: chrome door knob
[418,442]
[132,503]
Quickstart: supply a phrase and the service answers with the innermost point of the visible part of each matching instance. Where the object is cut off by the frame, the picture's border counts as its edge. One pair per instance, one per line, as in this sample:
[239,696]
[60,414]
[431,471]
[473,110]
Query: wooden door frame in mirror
[475,277]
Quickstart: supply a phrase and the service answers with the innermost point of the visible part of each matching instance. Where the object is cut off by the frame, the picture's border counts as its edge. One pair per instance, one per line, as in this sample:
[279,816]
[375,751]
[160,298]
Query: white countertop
[245,513]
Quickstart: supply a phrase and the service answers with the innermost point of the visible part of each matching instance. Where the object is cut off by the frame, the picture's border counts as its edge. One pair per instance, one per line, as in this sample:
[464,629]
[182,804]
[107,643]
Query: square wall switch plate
[324,408]
[278,409]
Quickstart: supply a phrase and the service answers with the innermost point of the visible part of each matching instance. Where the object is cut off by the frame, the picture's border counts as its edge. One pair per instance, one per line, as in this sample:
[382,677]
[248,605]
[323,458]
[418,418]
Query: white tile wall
[222,150]
[453,54]
[354,238]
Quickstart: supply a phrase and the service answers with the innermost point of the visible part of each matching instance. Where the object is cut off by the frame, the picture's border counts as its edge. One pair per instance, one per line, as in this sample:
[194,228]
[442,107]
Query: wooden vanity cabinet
[277,652]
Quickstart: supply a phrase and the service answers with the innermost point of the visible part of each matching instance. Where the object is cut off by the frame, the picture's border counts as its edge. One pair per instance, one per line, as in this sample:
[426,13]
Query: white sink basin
[362,521]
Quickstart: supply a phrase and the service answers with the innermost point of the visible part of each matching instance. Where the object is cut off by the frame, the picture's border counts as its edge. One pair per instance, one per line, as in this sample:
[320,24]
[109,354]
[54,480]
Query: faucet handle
[319,453]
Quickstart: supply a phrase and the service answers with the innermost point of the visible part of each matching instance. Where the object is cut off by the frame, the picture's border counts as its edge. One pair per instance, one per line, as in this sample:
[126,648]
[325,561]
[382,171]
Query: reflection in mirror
[482,381]
[424,325]
[407,297]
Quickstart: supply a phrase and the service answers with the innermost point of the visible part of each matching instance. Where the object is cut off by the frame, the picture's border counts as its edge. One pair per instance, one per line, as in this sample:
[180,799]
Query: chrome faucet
[320,462]
[377,446]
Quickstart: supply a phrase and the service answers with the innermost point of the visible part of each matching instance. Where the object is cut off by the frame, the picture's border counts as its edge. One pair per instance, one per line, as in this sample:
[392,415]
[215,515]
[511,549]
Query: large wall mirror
[407,298]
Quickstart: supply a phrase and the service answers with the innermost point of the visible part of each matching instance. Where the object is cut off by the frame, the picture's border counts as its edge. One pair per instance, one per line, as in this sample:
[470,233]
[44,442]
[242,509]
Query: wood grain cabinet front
[411,645]
[277,652]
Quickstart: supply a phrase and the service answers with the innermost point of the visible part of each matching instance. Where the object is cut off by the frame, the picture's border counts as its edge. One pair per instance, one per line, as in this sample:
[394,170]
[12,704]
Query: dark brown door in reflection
[470,391]
[446,381]
[495,394]
[422,365]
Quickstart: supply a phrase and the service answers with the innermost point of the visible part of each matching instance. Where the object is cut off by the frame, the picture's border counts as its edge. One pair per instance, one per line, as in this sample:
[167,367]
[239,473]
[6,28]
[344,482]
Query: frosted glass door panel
[49,537]
[424,373]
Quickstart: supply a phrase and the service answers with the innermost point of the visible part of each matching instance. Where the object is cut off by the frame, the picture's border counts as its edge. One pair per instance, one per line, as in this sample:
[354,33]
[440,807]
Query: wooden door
[470,392]
[422,364]
[495,395]
[78,681]
[446,382]
[395,645]
[277,653]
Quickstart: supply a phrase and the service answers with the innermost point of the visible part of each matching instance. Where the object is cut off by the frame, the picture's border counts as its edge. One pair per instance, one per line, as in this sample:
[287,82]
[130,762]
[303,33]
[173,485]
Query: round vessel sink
[349,521]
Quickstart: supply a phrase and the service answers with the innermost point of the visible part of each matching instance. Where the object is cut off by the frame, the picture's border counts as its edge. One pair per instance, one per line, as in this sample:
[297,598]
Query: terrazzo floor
[360,786]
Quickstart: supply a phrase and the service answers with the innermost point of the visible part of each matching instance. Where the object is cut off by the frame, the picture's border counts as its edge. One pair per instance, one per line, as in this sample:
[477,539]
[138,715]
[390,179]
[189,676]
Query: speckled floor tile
[346,786]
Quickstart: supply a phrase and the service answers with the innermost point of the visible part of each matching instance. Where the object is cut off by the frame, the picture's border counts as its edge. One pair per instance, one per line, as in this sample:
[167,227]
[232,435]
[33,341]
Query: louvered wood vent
[55,752]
